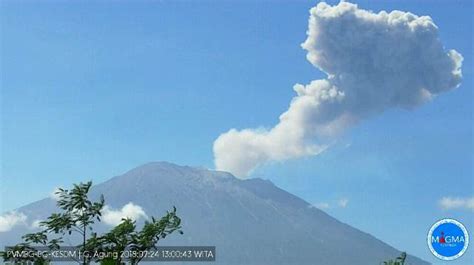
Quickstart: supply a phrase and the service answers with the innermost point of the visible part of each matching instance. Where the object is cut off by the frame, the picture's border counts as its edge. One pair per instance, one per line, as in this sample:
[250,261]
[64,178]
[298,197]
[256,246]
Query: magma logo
[448,239]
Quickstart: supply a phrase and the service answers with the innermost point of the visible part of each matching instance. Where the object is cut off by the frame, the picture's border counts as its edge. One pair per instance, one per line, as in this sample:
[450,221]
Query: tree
[116,240]
[398,261]
[79,213]
[154,231]
[125,237]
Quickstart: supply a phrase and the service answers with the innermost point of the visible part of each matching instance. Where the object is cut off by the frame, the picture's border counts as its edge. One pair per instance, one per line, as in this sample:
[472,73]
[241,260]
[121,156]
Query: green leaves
[124,236]
[78,209]
[154,231]
[37,238]
[77,215]
[58,223]
[398,261]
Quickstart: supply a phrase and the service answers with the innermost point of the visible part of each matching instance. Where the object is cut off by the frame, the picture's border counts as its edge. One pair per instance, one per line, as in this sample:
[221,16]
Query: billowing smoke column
[373,62]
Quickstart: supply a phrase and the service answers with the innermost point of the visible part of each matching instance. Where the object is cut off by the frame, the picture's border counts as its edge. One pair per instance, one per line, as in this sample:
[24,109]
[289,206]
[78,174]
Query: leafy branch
[78,215]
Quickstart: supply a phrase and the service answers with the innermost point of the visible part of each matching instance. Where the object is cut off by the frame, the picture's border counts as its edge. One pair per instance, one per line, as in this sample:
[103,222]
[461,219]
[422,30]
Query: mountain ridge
[249,221]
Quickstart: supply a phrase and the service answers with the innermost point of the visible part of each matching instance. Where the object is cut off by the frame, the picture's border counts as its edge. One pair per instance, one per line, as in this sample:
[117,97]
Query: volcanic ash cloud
[373,62]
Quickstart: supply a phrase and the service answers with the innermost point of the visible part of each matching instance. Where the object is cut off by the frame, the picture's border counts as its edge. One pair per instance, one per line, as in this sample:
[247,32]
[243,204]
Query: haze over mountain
[249,221]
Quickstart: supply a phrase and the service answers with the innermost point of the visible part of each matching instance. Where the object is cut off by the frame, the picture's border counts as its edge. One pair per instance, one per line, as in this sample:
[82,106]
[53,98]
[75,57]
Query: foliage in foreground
[77,216]
[398,261]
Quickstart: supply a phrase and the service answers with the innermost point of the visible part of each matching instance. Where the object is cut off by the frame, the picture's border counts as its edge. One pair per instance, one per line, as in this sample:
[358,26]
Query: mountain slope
[249,221]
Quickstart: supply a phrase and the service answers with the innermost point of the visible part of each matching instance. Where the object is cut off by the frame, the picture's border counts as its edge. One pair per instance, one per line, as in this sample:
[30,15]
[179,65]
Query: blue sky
[91,90]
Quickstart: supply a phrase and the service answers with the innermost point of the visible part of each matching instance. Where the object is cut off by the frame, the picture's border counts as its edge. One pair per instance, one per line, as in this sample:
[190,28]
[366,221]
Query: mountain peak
[168,168]
[249,221]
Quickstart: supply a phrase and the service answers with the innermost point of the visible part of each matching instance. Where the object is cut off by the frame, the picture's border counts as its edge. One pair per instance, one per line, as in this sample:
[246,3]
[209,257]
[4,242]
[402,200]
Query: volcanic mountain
[251,222]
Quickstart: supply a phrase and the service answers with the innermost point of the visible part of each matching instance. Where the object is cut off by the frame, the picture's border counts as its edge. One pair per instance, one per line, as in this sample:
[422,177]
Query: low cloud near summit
[373,62]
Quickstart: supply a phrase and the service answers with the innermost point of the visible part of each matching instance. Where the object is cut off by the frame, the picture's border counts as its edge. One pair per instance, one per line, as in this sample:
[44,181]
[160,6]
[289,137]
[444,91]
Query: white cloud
[321,205]
[343,202]
[36,224]
[55,194]
[373,62]
[11,219]
[448,203]
[129,210]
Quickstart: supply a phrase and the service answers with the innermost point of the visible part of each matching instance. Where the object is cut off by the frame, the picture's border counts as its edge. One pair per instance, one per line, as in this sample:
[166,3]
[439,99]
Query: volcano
[249,221]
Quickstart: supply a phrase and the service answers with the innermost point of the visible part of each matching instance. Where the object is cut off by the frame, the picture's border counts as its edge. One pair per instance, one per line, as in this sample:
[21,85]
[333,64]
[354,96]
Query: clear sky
[92,89]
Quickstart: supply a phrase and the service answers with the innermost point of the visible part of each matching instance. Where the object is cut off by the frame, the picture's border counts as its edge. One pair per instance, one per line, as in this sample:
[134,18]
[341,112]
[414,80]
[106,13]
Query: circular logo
[448,239]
